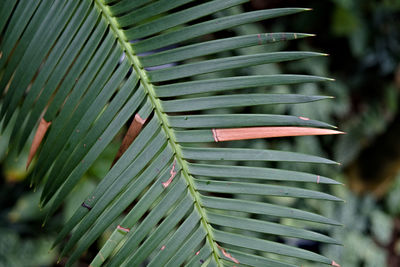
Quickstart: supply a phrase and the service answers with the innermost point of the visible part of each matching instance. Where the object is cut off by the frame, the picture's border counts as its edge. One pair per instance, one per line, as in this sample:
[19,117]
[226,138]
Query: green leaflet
[64,124]
[266,227]
[234,83]
[36,53]
[211,102]
[267,246]
[223,171]
[178,18]
[249,155]
[199,29]
[241,120]
[126,160]
[189,70]
[148,11]
[259,189]
[215,46]
[263,208]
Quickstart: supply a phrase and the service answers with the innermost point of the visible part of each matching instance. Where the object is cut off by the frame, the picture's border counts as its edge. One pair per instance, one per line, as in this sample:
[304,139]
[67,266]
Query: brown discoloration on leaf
[40,133]
[221,135]
[226,254]
[172,173]
[304,118]
[133,131]
[126,230]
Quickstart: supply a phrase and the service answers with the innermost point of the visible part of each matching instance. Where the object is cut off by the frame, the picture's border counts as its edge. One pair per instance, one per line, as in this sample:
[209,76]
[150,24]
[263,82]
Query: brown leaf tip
[131,134]
[233,134]
[39,135]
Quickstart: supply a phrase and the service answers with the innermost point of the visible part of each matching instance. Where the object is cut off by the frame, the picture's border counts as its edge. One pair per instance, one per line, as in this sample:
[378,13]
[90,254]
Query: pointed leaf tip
[39,135]
[235,134]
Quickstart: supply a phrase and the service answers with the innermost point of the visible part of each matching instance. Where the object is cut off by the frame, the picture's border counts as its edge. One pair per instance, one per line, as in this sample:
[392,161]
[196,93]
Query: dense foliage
[364,46]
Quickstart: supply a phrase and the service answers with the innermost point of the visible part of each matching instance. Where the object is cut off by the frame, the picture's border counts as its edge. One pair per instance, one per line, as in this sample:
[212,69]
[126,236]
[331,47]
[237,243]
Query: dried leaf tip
[233,134]
[228,255]
[39,135]
[133,131]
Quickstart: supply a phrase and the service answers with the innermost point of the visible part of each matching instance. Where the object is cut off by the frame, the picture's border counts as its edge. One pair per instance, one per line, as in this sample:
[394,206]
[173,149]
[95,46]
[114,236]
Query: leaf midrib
[155,102]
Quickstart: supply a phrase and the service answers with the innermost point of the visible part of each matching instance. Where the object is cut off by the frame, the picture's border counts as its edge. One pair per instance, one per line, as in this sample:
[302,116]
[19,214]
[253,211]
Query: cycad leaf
[85,69]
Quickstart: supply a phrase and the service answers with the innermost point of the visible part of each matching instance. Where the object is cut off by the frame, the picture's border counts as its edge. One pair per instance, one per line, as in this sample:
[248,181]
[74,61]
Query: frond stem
[149,89]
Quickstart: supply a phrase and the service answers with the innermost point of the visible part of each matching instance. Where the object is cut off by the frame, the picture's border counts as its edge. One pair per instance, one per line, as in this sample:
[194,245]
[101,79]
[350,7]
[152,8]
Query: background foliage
[363,40]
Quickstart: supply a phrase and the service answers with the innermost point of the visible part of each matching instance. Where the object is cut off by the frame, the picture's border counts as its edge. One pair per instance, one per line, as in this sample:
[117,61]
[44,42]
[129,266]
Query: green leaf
[240,120]
[208,66]
[266,227]
[223,171]
[267,246]
[259,189]
[215,46]
[211,102]
[213,154]
[224,84]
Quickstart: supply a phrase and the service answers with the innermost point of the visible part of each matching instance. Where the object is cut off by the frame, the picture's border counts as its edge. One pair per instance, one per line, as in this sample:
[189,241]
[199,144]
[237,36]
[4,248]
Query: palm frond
[82,70]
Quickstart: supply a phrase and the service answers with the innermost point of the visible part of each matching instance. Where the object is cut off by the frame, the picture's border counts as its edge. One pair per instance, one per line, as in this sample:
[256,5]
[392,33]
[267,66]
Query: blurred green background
[363,40]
